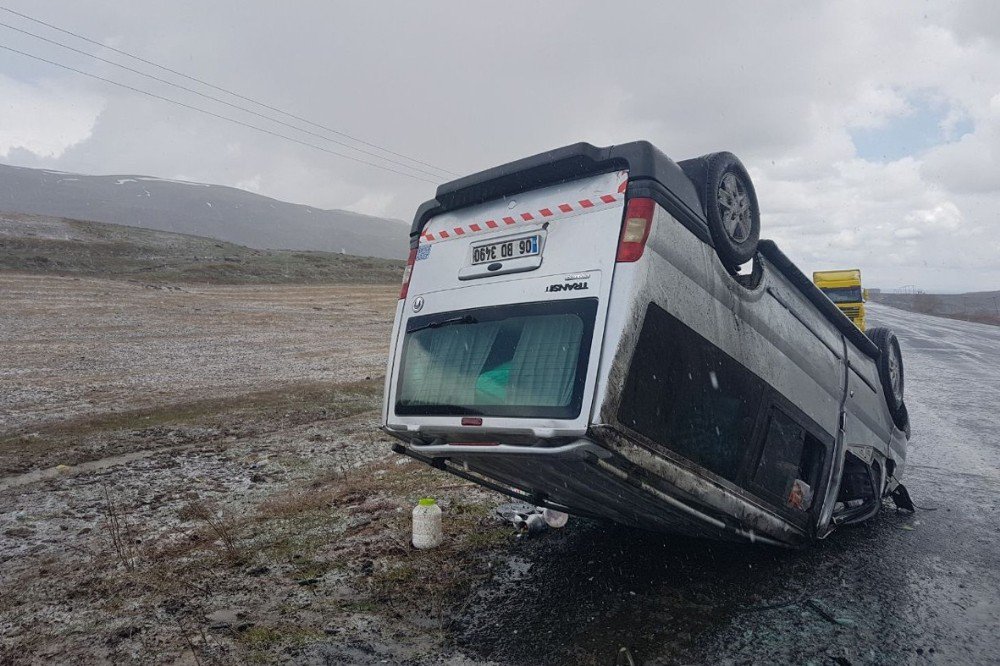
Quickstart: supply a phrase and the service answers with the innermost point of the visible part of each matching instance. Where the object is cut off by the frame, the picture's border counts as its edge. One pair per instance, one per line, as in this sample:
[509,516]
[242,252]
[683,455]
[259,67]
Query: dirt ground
[194,475]
[75,348]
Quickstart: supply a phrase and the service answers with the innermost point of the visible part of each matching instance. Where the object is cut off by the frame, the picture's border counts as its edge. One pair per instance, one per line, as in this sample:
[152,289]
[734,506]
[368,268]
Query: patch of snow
[172,180]
[122,181]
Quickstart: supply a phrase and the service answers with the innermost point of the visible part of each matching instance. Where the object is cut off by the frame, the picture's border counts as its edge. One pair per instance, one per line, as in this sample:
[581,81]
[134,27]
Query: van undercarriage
[630,486]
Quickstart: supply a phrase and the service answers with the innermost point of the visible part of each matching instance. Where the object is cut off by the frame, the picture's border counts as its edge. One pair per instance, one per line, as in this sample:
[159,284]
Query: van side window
[790,463]
[688,396]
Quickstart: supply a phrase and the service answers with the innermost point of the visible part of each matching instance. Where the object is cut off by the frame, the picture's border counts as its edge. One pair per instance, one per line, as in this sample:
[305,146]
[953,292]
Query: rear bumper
[585,478]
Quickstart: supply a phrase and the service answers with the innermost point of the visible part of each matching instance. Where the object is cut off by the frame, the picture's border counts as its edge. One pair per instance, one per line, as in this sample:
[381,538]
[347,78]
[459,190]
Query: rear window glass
[525,360]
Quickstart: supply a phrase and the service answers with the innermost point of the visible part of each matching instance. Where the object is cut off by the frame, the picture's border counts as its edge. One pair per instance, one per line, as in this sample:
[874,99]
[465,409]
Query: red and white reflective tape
[549,213]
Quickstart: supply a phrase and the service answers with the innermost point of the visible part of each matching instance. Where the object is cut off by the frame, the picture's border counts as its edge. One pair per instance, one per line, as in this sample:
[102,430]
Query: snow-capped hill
[215,211]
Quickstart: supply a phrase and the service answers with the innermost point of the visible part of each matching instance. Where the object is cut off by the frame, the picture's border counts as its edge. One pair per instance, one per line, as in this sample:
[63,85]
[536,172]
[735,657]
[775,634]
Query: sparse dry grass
[220,526]
[353,525]
[340,400]
[216,417]
[298,561]
[129,253]
[121,532]
[401,581]
[282,503]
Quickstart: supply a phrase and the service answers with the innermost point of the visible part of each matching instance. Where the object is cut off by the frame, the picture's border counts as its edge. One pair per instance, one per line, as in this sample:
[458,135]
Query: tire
[890,370]
[731,209]
[903,421]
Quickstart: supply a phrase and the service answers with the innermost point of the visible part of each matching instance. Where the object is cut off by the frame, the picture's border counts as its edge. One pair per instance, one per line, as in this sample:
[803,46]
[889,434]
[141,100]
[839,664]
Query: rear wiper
[467,319]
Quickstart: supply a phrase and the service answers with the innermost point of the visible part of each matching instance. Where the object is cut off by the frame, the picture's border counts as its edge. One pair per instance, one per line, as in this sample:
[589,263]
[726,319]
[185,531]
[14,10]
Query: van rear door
[499,334]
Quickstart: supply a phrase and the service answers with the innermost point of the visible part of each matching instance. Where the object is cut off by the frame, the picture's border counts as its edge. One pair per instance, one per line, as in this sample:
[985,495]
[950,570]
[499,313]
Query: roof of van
[650,173]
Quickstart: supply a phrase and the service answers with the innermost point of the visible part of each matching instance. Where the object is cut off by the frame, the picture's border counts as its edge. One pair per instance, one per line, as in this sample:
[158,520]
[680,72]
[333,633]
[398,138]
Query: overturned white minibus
[573,331]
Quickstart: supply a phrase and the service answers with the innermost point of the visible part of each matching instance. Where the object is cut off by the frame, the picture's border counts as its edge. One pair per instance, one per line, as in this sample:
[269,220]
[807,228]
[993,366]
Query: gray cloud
[469,86]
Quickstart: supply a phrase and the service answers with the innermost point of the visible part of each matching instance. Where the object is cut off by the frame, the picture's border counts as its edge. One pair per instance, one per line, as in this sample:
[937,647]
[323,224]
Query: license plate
[514,248]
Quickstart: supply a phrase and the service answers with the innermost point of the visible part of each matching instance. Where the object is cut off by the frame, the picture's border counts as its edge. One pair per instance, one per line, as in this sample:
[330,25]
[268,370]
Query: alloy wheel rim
[894,375]
[735,204]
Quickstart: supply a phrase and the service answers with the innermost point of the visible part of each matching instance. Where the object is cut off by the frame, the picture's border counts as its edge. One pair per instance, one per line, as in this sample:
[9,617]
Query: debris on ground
[530,520]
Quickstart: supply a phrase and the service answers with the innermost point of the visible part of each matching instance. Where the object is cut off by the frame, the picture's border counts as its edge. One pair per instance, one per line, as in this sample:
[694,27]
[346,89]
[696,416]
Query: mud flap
[901,498]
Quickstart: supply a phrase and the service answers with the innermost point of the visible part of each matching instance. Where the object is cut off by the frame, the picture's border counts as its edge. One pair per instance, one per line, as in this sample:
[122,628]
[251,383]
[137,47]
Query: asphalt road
[908,588]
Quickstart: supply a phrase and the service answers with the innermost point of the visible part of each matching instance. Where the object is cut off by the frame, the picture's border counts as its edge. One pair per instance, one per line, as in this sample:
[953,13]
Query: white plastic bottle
[427,524]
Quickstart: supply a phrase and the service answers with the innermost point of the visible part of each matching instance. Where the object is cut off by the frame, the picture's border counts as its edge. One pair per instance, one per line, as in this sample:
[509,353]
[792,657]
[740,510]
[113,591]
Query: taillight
[635,229]
[408,273]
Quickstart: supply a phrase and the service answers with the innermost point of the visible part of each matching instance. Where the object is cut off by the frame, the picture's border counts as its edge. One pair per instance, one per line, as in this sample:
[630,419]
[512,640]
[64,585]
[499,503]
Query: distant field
[980,306]
[78,346]
[58,246]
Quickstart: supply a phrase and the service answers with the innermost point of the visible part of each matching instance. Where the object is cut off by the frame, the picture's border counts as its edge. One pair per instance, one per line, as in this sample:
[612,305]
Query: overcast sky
[872,131]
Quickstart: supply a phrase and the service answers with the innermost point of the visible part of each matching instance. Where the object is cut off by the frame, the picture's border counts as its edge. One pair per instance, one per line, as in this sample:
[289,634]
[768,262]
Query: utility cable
[213,114]
[219,100]
[221,89]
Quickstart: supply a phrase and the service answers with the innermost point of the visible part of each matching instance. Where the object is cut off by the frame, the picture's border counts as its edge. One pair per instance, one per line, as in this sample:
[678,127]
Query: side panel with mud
[689,396]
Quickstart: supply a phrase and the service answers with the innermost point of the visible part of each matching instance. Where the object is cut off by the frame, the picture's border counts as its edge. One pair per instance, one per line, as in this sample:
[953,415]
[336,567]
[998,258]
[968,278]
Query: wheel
[903,421]
[732,210]
[890,369]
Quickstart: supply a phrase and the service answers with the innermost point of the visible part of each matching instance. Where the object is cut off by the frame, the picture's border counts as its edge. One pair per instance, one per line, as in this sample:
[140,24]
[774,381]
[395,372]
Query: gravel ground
[271,526]
[195,475]
[79,347]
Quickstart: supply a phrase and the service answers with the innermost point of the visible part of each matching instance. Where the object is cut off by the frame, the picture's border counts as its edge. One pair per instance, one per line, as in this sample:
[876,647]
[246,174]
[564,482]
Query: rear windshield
[526,360]
[843,294]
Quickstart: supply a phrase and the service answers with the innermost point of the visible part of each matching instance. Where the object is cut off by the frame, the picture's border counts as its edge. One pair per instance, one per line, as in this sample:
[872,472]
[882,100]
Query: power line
[213,114]
[221,101]
[225,90]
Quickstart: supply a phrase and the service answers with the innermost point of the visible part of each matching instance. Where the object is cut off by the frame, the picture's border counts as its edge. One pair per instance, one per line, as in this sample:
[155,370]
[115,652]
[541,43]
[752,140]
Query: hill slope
[38,244]
[193,208]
